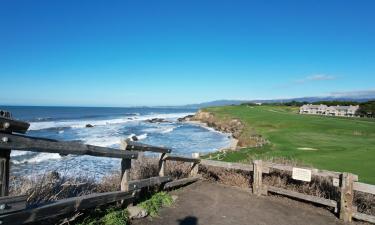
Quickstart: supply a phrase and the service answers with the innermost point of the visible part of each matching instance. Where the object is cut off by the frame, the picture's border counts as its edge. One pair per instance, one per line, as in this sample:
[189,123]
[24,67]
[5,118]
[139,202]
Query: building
[313,109]
[321,109]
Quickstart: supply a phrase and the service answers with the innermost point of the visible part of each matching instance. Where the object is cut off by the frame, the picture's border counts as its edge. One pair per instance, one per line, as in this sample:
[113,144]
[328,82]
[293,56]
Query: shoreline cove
[233,141]
[158,127]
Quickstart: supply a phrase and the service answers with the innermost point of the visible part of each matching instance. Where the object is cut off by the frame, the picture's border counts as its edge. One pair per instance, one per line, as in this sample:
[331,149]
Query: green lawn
[339,144]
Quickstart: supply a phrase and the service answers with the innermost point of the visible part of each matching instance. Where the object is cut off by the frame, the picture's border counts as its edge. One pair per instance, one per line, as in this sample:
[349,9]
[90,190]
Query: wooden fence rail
[135,146]
[12,141]
[64,206]
[7,124]
[10,204]
[309,198]
[181,159]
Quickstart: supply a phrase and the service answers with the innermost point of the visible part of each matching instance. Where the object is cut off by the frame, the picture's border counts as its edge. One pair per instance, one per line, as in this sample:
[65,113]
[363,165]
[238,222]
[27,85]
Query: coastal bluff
[245,137]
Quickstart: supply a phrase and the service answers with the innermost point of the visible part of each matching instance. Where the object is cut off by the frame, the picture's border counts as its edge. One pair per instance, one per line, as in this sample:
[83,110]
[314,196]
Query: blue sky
[126,53]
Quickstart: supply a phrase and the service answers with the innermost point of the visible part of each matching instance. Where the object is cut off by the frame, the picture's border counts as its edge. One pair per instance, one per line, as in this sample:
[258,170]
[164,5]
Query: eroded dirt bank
[246,137]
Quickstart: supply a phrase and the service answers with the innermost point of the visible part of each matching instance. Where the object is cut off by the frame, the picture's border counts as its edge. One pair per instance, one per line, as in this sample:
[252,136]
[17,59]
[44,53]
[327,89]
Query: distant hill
[216,103]
[302,99]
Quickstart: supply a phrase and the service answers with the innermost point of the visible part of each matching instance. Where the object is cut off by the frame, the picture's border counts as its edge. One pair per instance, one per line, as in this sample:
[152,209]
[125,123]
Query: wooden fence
[13,209]
[347,183]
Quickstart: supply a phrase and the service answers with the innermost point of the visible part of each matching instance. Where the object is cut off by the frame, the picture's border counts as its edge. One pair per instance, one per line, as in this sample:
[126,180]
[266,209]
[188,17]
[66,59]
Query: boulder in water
[89,125]
[156,120]
[135,138]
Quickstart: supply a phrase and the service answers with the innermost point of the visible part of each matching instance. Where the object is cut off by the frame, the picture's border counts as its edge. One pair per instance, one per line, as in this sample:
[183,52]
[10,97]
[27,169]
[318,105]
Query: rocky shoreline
[235,127]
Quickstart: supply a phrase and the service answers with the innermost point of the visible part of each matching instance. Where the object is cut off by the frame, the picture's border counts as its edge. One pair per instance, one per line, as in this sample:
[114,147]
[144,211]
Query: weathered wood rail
[13,209]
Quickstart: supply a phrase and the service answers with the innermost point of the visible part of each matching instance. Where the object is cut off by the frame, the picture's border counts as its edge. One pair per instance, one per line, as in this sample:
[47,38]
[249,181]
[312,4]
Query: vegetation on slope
[156,202]
[111,216]
[332,143]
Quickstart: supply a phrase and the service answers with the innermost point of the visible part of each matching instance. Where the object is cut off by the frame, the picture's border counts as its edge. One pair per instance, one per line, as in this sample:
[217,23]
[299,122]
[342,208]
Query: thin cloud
[316,77]
[308,79]
[354,94]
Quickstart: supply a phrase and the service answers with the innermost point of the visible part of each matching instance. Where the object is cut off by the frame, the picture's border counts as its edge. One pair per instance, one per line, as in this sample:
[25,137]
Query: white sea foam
[168,129]
[39,158]
[131,135]
[107,141]
[83,123]
[161,129]
[76,123]
[18,153]
[142,136]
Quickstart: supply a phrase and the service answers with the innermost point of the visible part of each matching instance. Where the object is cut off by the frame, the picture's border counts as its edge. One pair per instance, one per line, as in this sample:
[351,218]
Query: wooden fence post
[347,195]
[257,177]
[4,165]
[194,166]
[162,165]
[126,165]
[4,172]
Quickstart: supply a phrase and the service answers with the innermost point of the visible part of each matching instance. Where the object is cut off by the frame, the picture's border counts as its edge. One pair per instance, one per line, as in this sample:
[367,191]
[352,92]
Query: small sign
[336,182]
[301,174]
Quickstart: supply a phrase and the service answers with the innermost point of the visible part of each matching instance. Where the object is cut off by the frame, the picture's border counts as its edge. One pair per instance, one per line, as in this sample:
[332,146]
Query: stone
[89,125]
[135,138]
[136,212]
[156,120]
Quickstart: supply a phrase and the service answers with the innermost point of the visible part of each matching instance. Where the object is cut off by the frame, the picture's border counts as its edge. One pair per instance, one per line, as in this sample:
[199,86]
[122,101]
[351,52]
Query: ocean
[110,125]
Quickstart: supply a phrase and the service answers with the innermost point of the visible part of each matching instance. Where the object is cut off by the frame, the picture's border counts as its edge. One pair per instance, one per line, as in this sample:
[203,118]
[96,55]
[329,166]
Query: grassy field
[332,143]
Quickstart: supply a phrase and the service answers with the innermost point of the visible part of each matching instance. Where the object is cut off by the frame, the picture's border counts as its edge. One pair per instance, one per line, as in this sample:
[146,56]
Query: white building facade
[348,111]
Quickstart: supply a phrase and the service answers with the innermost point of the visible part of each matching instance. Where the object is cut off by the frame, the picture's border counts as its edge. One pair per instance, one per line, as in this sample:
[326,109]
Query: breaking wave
[82,123]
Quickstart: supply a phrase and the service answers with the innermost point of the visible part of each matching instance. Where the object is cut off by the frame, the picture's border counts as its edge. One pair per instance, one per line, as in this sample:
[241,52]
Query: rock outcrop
[156,120]
[246,137]
[186,118]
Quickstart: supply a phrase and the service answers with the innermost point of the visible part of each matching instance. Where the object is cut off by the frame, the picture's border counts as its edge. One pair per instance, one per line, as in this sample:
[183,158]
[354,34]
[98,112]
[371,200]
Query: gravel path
[205,203]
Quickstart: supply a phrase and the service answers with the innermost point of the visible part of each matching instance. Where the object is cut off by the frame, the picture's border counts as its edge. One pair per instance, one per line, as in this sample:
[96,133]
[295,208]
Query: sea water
[110,125]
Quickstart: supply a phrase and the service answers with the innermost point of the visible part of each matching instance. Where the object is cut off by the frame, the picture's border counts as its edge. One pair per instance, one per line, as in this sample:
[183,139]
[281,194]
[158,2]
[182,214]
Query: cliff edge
[246,137]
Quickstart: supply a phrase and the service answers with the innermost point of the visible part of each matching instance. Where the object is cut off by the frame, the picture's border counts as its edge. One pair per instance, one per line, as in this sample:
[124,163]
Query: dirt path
[205,203]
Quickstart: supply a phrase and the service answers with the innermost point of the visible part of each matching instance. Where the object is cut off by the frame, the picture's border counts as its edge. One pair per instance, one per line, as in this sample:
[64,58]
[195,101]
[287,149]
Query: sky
[129,53]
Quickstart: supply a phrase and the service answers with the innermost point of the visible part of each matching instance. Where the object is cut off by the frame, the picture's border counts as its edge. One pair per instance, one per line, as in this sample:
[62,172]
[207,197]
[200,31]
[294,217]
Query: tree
[366,109]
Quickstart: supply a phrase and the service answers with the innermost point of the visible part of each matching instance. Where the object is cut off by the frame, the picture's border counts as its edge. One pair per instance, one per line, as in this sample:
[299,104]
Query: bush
[119,217]
[112,216]
[153,205]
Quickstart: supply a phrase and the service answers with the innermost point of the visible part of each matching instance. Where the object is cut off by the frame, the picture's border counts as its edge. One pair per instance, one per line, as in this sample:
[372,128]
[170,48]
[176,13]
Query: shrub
[119,217]
[153,205]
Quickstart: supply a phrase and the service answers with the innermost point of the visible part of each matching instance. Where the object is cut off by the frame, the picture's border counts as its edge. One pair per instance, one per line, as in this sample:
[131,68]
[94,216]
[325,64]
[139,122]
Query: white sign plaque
[301,174]
[336,182]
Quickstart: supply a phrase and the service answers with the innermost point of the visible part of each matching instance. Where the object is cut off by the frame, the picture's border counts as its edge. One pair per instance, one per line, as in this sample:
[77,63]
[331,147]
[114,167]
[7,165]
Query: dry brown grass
[319,186]
[54,186]
[228,177]
[51,187]
[149,167]
[365,202]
